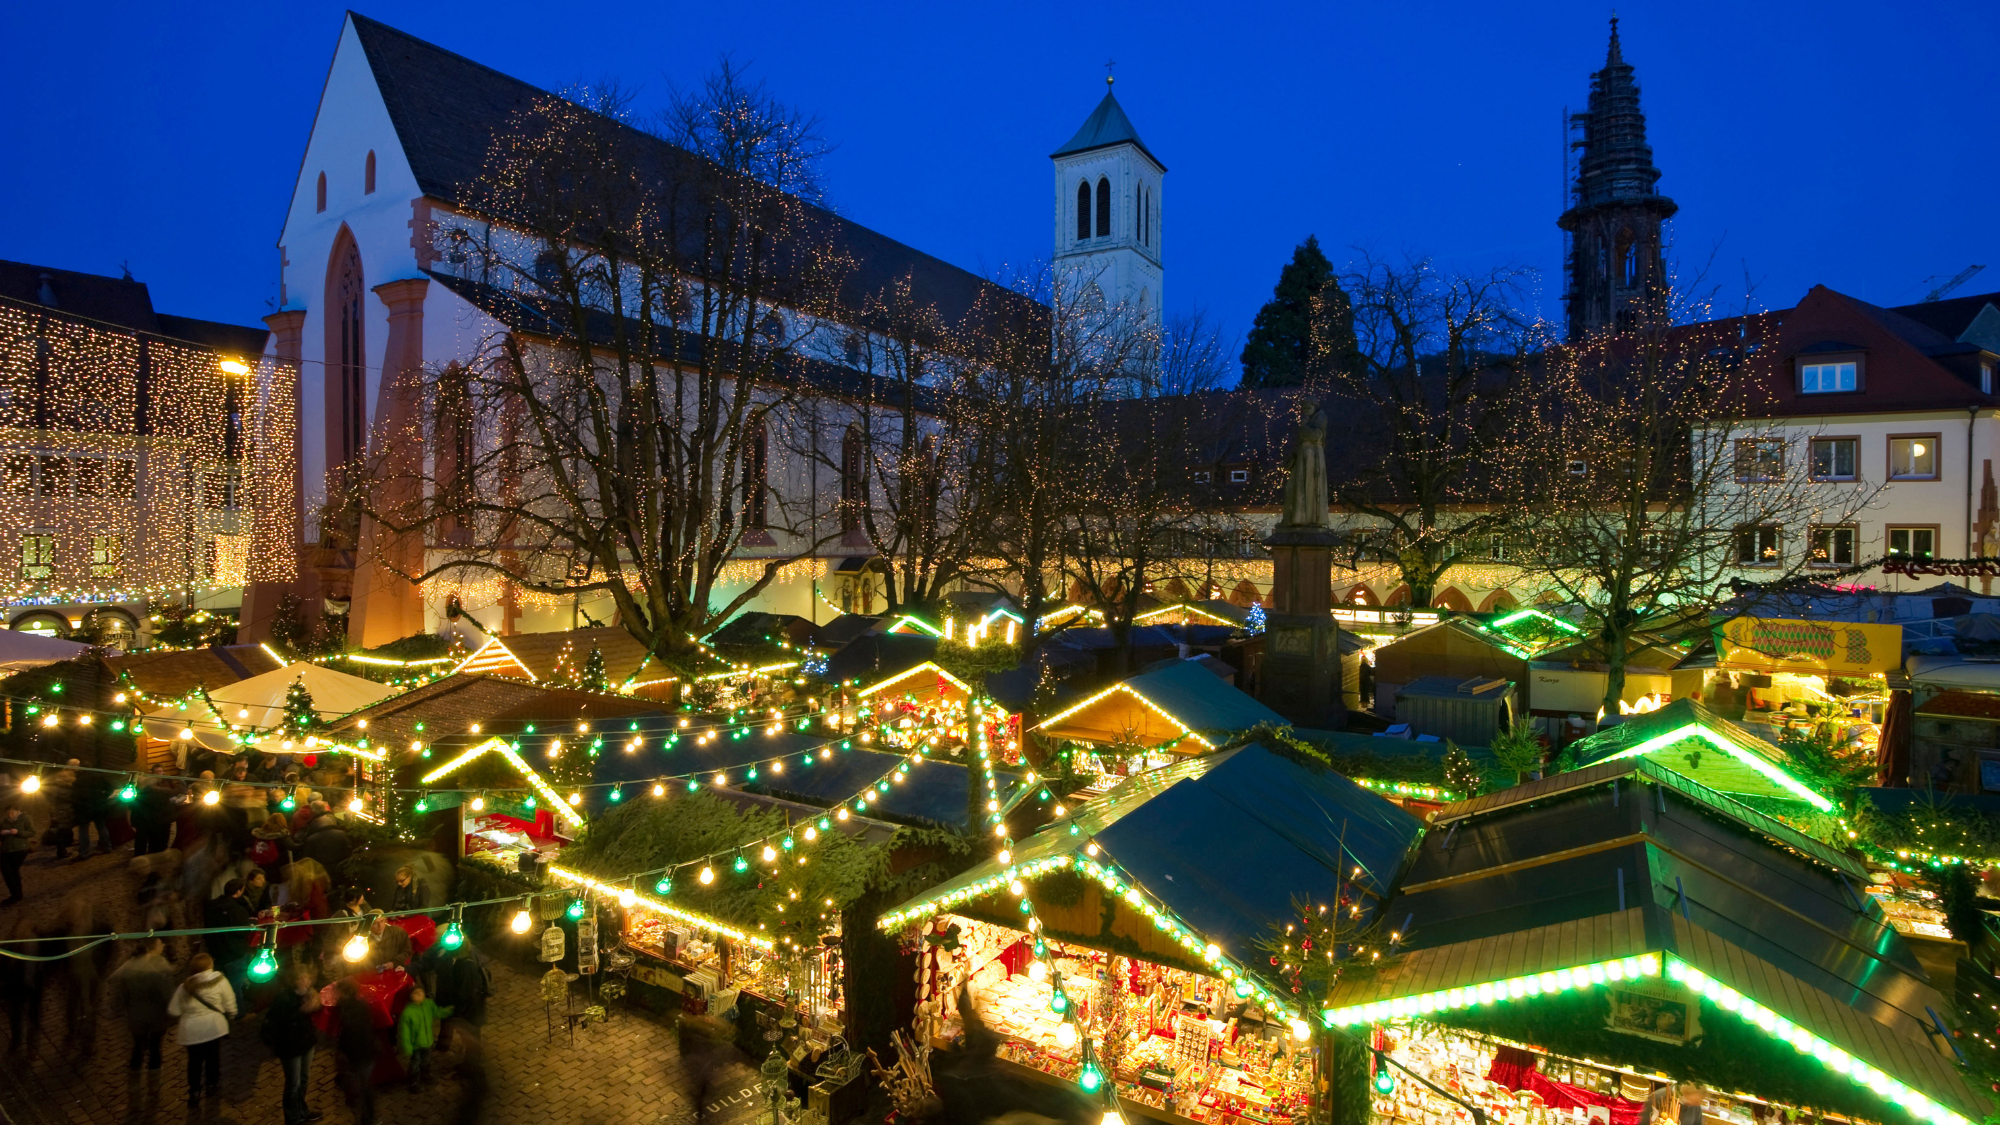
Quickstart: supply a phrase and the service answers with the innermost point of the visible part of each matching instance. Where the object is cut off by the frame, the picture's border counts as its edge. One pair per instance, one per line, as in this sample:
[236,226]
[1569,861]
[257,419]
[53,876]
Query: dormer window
[1829,377]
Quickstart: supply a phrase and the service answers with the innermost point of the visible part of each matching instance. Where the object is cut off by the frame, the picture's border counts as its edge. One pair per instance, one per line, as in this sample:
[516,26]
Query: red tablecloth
[422,930]
[1515,1069]
[383,990]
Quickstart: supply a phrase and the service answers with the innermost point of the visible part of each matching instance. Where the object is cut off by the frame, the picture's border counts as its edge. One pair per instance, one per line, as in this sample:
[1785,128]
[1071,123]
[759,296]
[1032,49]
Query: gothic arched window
[368,175]
[853,478]
[1103,207]
[1082,211]
[322,191]
[1139,213]
[1631,265]
[346,373]
[756,477]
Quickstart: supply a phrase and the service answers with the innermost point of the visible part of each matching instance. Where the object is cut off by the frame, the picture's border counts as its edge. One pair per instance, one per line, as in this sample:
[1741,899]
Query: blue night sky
[1836,143]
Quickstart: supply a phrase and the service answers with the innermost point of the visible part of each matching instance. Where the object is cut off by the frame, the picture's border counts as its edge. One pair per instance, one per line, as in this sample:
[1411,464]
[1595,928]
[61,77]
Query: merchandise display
[1180,1043]
[1513,1085]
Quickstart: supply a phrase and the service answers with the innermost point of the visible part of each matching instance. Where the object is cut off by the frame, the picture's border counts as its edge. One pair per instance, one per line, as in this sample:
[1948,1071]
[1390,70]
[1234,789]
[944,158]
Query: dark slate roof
[1951,316]
[1625,857]
[119,301]
[447,108]
[1293,832]
[1107,125]
[1201,702]
[176,672]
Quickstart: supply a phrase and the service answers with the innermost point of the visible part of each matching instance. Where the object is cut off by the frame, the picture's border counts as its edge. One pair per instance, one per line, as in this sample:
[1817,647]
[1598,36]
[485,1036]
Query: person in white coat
[204,1004]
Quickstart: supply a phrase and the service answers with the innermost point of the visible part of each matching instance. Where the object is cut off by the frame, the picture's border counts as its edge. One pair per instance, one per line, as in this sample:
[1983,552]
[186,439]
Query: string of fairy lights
[103,493]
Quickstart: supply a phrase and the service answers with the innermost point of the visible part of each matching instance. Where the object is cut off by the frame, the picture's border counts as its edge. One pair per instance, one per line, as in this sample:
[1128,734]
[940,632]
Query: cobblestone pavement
[626,1070]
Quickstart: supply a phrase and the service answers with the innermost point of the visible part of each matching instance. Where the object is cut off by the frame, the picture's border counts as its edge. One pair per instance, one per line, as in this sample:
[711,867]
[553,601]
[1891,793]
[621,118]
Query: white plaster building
[1108,199]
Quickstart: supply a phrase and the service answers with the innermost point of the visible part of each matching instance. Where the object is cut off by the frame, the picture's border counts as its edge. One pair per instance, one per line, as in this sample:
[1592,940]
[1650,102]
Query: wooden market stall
[1575,943]
[1181,707]
[1152,903]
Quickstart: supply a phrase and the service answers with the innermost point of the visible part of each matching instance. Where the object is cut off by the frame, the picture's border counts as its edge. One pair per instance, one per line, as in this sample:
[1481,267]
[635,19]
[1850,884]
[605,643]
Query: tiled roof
[179,672]
[447,109]
[119,301]
[1963,704]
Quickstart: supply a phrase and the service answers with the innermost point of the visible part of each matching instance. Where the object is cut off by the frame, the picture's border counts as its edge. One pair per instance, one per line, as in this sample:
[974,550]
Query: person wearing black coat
[463,986]
[288,1030]
[90,808]
[230,950]
[327,843]
[153,815]
[359,1048]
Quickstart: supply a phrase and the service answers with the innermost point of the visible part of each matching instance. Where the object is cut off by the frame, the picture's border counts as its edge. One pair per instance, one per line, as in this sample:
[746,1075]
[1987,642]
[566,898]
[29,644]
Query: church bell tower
[1107,210]
[1616,269]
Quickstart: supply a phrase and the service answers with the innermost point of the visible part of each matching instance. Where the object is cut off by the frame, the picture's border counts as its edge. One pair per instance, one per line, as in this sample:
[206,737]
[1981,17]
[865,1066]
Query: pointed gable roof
[1107,125]
[1903,369]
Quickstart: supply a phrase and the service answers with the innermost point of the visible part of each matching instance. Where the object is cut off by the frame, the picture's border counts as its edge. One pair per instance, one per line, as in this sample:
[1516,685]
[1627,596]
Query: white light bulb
[522,921]
[707,875]
[356,947]
[1038,972]
[354,805]
[478,803]
[212,797]
[31,783]
[1065,1034]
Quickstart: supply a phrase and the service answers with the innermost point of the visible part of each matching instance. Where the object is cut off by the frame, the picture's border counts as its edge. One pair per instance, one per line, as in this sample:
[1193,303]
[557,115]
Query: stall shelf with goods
[1621,921]
[1152,900]
[1778,676]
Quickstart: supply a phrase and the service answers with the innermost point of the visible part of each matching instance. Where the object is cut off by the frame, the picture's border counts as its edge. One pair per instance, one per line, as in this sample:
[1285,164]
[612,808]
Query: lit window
[1757,546]
[38,555]
[1835,458]
[1579,468]
[1986,378]
[1827,378]
[1239,476]
[105,553]
[1834,546]
[1913,542]
[1202,476]
[1913,458]
[1760,459]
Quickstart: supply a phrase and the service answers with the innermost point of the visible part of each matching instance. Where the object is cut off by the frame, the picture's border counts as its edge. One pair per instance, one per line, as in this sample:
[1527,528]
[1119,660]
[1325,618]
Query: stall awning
[258,705]
[1778,644]
[1206,852]
[1697,743]
[1181,705]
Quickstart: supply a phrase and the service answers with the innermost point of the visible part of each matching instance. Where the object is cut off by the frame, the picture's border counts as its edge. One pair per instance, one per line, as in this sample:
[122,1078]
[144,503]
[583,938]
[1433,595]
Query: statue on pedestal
[1304,499]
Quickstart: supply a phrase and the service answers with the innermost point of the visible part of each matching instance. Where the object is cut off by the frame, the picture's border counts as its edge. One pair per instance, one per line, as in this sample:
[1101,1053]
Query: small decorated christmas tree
[594,677]
[300,718]
[1461,776]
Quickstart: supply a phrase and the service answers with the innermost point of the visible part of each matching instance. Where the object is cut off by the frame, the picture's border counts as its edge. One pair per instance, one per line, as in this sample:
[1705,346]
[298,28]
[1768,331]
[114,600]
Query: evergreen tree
[1305,330]
[299,714]
[594,676]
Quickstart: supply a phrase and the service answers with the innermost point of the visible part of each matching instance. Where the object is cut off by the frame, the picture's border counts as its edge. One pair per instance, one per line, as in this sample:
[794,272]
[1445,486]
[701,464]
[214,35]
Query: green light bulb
[265,964]
[288,804]
[665,886]
[1090,1079]
[453,937]
[129,793]
[575,908]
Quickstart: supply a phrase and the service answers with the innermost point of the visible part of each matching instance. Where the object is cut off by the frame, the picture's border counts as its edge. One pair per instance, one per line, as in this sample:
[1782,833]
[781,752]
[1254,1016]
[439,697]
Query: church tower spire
[1108,210]
[1616,268]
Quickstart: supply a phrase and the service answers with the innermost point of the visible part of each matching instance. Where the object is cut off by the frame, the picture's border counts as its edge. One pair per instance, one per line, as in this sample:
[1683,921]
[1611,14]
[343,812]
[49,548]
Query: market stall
[1776,676]
[1573,943]
[1697,743]
[1122,941]
[221,718]
[1136,724]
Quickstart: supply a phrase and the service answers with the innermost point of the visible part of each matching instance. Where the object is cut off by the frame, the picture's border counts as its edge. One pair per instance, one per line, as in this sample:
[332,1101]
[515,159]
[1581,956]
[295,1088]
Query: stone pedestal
[1301,671]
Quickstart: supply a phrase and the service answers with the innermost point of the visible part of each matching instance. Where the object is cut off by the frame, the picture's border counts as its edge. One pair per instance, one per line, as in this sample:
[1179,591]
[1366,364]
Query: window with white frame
[1913,457]
[1836,458]
[1829,378]
[106,551]
[1913,542]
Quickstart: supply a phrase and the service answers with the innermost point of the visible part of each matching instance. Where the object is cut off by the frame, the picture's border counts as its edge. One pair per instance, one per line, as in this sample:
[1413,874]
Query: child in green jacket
[417,1032]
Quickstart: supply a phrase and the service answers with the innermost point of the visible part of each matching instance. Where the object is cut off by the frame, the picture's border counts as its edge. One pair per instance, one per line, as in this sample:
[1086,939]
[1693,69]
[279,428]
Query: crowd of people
[231,850]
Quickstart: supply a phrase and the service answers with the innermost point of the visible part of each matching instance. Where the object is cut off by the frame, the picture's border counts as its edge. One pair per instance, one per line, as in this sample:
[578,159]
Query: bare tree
[656,286]
[1661,476]
[915,434]
[1433,393]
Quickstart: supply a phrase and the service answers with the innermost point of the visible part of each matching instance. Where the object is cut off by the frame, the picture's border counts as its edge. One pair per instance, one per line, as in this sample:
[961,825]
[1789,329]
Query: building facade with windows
[1898,404]
[143,456]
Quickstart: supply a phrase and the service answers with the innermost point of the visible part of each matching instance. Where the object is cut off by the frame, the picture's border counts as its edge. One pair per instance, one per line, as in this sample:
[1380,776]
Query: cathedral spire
[1616,270]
